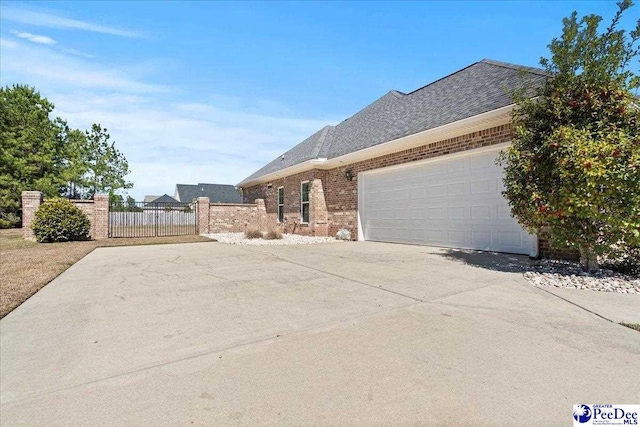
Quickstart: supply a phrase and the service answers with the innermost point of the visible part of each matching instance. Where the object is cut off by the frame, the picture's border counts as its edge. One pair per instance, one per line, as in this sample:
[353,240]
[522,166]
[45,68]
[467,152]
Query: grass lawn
[25,267]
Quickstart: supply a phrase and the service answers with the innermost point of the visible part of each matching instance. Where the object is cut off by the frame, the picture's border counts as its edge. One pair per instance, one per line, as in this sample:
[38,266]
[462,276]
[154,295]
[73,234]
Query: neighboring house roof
[479,88]
[217,193]
[149,198]
[165,198]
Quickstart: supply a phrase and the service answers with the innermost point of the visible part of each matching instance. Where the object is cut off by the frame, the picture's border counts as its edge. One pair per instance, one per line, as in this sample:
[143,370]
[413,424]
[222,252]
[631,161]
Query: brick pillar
[204,206]
[31,201]
[100,224]
[261,215]
[319,216]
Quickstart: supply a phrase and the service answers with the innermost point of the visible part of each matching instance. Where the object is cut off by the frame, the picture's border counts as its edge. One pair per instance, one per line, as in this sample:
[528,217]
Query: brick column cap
[31,193]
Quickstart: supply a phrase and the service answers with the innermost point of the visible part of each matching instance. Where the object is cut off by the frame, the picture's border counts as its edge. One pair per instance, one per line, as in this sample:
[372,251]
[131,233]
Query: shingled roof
[481,87]
[165,198]
[217,193]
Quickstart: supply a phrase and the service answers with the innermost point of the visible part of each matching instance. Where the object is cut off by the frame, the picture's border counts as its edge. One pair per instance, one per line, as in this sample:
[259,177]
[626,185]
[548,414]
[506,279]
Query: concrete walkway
[336,334]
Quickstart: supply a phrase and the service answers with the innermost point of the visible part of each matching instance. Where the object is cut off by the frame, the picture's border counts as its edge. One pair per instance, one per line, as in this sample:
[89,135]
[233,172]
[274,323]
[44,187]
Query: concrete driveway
[335,334]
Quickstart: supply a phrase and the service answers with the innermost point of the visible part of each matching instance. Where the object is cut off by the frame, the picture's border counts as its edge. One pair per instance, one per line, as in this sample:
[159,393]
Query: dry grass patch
[28,266]
[253,233]
[273,233]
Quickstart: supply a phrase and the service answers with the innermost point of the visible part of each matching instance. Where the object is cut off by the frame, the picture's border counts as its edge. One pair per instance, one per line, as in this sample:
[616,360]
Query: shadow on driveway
[509,263]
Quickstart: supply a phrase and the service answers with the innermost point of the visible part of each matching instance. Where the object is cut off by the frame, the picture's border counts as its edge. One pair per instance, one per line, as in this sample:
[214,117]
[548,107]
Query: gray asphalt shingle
[165,198]
[217,193]
[481,87]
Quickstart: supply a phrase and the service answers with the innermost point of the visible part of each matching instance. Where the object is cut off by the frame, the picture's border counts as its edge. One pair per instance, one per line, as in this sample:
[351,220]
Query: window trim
[280,205]
[308,202]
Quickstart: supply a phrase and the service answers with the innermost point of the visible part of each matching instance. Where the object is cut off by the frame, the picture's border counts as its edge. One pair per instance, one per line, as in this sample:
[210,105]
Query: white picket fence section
[152,217]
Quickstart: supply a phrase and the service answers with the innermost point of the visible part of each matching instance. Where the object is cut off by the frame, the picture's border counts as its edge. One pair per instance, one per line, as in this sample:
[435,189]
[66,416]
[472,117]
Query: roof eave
[475,123]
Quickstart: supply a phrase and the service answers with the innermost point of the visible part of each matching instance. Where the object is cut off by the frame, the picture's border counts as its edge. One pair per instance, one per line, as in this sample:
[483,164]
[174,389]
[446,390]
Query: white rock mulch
[287,239]
[562,274]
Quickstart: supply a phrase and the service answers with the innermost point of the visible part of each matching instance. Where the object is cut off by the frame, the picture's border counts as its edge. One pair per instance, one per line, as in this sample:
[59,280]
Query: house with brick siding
[416,168]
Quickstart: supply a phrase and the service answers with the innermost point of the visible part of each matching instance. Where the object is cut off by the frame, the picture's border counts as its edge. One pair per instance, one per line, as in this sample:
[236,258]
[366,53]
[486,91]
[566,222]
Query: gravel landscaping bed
[287,239]
[562,274]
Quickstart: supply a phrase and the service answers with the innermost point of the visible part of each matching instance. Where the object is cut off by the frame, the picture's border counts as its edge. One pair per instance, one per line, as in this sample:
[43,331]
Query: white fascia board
[478,122]
[319,161]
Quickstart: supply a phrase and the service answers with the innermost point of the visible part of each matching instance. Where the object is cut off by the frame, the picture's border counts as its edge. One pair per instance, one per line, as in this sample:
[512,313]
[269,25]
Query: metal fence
[142,219]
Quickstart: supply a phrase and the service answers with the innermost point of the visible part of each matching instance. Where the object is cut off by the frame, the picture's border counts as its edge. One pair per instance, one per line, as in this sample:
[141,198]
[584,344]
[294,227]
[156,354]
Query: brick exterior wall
[100,222]
[292,217]
[203,215]
[97,210]
[31,201]
[230,217]
[341,195]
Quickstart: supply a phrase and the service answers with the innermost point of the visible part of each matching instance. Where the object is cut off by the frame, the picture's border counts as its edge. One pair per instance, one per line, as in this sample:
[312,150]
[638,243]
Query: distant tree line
[40,152]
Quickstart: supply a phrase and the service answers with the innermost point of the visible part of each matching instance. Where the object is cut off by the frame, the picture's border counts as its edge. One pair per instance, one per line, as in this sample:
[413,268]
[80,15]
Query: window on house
[280,204]
[304,202]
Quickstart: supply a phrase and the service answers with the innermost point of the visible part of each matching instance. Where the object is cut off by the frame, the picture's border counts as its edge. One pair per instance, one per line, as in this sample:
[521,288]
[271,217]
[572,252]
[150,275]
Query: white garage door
[454,201]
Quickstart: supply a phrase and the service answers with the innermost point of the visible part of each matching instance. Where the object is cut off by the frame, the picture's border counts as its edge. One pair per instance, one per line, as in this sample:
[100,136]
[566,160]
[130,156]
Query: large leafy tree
[573,169]
[99,167]
[33,148]
[75,167]
[45,154]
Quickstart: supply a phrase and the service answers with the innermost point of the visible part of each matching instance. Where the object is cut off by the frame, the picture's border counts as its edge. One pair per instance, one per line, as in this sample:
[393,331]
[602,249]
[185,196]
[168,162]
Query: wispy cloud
[7,44]
[34,37]
[167,136]
[40,64]
[49,20]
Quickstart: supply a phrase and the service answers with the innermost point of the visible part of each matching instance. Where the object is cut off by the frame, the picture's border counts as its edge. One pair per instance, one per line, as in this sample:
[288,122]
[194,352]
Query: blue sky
[209,92]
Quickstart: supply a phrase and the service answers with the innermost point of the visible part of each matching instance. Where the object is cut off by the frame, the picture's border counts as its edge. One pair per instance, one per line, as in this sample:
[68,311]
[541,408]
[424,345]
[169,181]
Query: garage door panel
[435,190]
[452,203]
[504,212]
[455,189]
[481,239]
[481,187]
[435,236]
[481,212]
[482,162]
[417,214]
[456,213]
[435,171]
[402,213]
[456,237]
[454,168]
[436,213]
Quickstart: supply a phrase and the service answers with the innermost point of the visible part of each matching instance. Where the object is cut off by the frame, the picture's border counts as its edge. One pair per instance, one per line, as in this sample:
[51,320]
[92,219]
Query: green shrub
[252,233]
[274,233]
[9,220]
[59,220]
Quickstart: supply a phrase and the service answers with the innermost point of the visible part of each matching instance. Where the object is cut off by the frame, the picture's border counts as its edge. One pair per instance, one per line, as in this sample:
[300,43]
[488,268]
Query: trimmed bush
[252,233]
[59,220]
[274,233]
